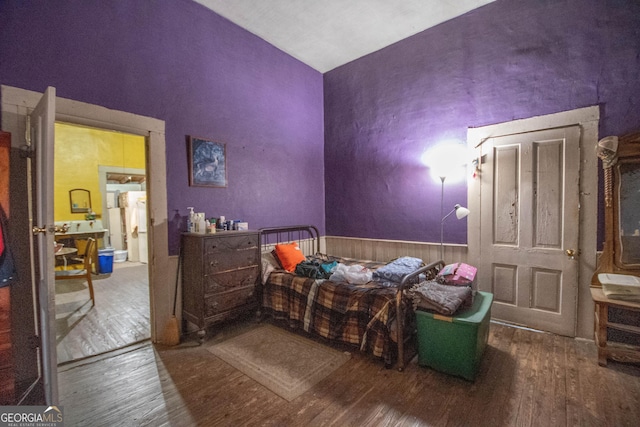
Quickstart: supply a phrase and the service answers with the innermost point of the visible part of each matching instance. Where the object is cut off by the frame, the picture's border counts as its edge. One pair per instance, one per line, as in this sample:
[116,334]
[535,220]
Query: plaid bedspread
[355,314]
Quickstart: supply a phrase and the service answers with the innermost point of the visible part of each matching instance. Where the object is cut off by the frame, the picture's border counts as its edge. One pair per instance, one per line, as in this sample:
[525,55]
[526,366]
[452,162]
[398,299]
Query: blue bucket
[105,260]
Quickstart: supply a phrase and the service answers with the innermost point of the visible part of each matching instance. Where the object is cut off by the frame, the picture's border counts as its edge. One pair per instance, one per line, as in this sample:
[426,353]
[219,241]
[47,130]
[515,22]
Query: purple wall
[179,62]
[507,60]
[204,76]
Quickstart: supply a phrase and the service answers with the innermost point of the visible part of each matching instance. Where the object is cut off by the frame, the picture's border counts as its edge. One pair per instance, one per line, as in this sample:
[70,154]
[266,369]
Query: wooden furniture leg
[601,319]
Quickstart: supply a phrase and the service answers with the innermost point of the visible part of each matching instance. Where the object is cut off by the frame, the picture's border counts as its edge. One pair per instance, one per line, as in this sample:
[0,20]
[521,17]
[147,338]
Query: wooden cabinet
[220,273]
[617,317]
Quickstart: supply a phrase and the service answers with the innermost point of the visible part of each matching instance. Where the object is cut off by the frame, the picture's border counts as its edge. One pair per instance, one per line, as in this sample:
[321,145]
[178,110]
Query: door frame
[587,118]
[17,103]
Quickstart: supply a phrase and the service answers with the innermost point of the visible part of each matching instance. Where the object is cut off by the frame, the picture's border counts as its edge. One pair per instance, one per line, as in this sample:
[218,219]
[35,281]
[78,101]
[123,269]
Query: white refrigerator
[133,205]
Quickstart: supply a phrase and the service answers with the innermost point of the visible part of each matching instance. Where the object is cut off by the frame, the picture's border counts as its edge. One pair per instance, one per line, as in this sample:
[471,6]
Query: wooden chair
[85,272]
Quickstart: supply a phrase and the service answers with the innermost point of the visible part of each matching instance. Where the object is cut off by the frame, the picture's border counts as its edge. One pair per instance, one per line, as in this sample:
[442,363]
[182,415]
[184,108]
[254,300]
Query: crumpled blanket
[444,299]
[397,269]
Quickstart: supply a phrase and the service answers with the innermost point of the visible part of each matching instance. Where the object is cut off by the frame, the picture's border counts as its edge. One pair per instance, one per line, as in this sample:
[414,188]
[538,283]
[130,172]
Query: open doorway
[37,364]
[111,169]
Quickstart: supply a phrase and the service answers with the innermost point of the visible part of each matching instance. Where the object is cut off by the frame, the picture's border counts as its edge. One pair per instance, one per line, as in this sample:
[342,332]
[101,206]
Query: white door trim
[587,118]
[16,103]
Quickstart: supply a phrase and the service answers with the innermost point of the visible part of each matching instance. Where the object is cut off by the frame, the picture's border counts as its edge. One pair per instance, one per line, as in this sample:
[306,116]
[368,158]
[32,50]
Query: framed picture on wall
[207,162]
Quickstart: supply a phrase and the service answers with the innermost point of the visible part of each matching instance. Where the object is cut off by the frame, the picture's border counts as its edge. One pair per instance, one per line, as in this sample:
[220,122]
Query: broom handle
[175,293]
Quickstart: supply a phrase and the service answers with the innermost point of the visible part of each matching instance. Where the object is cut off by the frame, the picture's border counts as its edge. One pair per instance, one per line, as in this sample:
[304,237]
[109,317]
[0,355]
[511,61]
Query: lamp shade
[446,160]
[461,211]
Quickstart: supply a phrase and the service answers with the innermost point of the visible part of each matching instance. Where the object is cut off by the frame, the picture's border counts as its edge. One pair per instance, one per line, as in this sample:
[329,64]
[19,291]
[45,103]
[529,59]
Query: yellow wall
[78,153]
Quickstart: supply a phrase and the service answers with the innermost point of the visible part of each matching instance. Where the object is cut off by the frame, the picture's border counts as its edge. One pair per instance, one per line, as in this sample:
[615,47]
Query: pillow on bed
[289,255]
[269,264]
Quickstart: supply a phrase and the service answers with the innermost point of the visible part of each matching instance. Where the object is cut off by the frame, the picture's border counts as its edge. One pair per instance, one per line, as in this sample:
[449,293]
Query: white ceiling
[325,34]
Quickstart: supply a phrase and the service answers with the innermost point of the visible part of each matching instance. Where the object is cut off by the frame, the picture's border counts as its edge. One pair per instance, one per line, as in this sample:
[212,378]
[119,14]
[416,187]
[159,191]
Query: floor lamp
[460,211]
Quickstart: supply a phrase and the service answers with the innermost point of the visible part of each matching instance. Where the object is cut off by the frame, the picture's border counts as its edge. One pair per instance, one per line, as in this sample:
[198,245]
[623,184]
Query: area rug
[284,362]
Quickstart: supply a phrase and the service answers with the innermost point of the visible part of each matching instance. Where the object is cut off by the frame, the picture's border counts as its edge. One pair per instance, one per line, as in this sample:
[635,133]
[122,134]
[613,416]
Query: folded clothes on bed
[444,299]
[397,269]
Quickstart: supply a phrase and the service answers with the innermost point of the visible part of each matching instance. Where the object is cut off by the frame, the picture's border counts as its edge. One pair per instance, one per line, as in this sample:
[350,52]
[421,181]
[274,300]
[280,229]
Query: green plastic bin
[454,345]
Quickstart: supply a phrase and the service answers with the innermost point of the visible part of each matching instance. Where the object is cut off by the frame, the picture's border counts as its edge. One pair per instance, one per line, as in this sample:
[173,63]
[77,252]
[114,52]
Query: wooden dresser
[220,272]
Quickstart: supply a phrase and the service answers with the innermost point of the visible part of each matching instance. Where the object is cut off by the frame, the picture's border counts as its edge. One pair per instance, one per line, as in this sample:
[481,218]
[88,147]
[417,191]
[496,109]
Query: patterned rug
[284,362]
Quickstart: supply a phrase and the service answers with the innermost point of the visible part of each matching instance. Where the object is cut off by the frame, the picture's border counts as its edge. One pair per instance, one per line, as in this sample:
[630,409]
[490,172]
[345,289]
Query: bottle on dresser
[190,221]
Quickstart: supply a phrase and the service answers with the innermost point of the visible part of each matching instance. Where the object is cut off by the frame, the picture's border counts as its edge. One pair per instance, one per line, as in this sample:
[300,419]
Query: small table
[64,252]
[98,234]
[619,352]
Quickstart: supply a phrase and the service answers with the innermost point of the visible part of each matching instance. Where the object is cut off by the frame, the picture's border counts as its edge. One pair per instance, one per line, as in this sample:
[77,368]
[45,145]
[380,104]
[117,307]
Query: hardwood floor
[527,378]
[119,318]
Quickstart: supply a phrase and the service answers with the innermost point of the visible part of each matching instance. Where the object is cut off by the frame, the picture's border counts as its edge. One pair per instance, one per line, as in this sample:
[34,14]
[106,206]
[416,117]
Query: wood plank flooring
[527,378]
[119,318]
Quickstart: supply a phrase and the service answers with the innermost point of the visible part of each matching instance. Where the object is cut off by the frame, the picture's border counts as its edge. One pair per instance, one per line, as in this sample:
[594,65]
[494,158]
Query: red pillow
[289,255]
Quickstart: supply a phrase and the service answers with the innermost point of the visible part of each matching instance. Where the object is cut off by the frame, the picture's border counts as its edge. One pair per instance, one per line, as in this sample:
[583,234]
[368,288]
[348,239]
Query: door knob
[571,253]
[36,230]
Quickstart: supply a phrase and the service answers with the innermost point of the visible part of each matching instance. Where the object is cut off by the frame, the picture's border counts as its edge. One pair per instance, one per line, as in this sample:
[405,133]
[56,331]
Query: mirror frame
[610,261]
[627,176]
[79,195]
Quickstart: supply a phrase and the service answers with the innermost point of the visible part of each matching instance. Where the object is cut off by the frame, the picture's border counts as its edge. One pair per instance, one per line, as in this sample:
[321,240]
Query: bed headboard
[307,236]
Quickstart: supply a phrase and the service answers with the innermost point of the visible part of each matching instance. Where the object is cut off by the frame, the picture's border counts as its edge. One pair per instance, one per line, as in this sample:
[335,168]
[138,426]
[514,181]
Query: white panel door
[529,207]
[42,121]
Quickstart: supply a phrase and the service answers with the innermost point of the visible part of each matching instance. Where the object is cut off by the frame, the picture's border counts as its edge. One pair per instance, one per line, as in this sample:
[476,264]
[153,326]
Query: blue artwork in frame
[207,163]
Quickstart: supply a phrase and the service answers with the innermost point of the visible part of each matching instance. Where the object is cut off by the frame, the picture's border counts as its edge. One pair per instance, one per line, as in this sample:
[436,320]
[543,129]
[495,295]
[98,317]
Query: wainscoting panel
[386,250]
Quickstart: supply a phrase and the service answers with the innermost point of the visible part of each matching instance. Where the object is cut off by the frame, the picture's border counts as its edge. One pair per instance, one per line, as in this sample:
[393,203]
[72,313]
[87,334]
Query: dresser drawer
[220,303]
[228,280]
[230,260]
[230,243]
